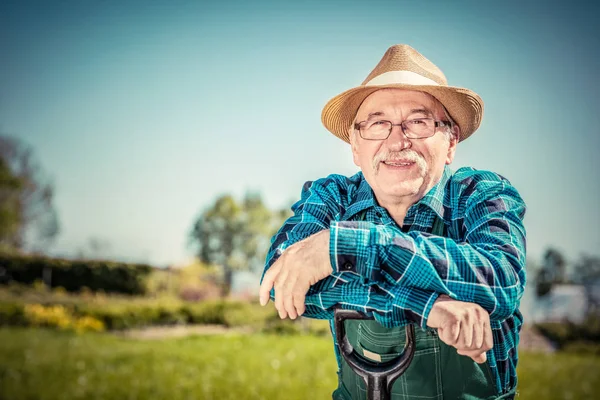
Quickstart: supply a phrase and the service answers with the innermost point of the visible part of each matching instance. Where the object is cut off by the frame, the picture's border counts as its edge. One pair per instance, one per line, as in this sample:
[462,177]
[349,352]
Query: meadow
[43,364]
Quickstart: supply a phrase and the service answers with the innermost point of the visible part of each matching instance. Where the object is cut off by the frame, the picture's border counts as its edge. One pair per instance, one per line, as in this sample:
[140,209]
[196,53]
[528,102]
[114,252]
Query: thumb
[480,359]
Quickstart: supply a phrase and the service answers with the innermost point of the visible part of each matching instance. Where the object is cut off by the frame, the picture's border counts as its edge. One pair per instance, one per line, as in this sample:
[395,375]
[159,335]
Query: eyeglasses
[415,128]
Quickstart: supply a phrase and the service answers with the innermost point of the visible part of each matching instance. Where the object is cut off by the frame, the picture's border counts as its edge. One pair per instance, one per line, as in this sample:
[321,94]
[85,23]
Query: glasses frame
[437,124]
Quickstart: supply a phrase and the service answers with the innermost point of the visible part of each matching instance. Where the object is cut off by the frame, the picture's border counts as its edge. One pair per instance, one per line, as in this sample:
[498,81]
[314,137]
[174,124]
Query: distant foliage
[192,282]
[75,275]
[235,235]
[22,306]
[552,272]
[28,220]
[587,274]
[567,333]
[59,317]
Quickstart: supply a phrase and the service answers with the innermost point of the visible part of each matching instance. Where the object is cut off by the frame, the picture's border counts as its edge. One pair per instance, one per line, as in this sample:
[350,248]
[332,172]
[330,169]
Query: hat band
[401,77]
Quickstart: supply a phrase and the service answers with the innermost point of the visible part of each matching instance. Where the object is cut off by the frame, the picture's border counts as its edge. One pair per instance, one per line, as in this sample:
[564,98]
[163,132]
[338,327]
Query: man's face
[399,169]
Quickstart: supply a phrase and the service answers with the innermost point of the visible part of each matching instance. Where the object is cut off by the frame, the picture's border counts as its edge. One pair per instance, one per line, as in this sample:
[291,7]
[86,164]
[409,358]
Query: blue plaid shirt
[396,274]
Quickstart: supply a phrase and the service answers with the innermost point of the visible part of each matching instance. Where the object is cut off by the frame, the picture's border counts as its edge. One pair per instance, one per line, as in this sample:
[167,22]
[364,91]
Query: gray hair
[449,132]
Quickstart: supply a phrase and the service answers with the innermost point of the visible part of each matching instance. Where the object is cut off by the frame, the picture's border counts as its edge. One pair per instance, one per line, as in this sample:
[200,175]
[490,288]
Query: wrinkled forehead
[392,101]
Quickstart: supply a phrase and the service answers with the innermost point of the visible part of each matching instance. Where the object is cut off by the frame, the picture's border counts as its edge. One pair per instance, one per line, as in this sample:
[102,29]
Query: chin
[402,189]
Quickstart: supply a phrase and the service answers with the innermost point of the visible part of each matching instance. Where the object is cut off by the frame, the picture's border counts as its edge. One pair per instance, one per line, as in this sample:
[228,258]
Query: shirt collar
[364,197]
[434,199]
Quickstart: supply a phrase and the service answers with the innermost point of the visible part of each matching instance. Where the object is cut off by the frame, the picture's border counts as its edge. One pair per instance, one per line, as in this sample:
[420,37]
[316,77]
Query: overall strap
[439,228]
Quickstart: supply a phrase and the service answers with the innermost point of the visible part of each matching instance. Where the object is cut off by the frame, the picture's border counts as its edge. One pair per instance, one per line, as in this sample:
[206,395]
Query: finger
[279,304]
[466,333]
[443,335]
[477,336]
[299,299]
[288,300]
[264,292]
[477,356]
[453,333]
[488,337]
[279,295]
[446,336]
[480,359]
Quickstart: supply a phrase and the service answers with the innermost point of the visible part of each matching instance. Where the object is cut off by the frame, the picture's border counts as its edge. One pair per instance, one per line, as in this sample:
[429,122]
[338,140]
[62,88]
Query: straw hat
[404,67]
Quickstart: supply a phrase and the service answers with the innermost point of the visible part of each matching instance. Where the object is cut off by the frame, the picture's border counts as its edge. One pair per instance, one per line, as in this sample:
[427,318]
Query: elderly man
[409,241]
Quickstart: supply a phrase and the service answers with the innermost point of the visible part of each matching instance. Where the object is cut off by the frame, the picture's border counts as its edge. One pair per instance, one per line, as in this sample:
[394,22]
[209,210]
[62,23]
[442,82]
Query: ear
[452,144]
[354,145]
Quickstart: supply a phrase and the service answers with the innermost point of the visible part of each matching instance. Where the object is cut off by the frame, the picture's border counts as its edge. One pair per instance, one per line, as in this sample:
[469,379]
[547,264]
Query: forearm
[389,305]
[490,275]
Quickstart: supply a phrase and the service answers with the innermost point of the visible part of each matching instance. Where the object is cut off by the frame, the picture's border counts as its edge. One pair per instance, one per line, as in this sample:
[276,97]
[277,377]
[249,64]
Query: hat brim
[464,106]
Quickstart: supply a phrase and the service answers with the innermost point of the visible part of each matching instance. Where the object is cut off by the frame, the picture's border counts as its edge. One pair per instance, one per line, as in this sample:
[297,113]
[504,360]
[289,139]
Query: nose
[397,139]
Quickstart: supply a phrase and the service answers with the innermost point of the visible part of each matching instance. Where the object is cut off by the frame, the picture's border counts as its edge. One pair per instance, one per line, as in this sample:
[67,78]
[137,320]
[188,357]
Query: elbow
[507,302]
[503,272]
[509,292]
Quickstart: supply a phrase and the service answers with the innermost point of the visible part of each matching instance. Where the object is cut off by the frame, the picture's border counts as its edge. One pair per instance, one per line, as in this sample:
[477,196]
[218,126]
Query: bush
[199,292]
[252,315]
[88,324]
[51,316]
[582,347]
[279,326]
[208,312]
[127,316]
[73,275]
[565,333]
[59,317]
[49,308]
[318,327]
[11,314]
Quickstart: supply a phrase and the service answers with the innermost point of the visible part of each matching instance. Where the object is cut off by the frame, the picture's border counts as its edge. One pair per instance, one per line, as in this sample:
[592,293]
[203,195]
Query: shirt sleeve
[318,208]
[487,268]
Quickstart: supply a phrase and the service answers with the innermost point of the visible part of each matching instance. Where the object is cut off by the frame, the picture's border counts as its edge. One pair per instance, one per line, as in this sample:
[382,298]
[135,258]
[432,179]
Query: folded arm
[397,275]
[318,207]
[487,268]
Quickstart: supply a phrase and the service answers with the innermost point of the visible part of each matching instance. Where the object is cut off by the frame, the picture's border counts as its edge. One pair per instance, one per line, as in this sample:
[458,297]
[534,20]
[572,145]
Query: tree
[551,272]
[9,205]
[234,235]
[587,274]
[28,220]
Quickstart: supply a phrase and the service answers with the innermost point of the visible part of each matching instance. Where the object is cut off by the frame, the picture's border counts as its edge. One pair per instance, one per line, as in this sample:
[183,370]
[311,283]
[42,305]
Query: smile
[398,163]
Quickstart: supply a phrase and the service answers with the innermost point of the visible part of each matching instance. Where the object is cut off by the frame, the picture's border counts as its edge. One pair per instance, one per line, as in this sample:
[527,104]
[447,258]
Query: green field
[44,365]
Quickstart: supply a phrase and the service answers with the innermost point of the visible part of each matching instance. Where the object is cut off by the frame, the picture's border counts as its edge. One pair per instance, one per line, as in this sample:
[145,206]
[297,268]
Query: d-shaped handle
[380,377]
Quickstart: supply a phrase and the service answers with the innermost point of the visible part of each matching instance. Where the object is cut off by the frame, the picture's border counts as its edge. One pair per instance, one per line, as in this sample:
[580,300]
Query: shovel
[379,377]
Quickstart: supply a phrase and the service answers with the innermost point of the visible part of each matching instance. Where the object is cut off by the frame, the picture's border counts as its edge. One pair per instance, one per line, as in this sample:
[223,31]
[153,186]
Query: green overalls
[437,371]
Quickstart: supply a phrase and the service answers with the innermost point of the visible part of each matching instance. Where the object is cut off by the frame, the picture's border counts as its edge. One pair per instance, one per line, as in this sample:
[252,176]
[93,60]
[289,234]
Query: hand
[301,265]
[465,326]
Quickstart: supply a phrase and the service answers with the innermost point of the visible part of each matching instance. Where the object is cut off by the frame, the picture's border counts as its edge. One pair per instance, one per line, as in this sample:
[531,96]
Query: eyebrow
[413,111]
[375,114]
[420,111]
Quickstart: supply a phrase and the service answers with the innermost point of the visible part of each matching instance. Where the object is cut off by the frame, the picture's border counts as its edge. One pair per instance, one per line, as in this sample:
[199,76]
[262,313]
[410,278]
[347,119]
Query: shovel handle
[380,377]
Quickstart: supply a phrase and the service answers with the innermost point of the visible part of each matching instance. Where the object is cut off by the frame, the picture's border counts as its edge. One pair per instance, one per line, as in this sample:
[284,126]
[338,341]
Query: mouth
[398,163]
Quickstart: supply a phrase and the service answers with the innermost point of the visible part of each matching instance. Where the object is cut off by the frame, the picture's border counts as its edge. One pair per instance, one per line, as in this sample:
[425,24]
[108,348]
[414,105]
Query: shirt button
[348,266]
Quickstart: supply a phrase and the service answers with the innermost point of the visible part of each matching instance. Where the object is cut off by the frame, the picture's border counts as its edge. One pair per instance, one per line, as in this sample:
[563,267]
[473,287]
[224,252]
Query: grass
[45,365]
[51,365]
[558,376]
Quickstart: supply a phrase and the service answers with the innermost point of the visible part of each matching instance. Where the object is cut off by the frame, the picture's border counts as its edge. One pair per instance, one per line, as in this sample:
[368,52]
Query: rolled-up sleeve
[487,268]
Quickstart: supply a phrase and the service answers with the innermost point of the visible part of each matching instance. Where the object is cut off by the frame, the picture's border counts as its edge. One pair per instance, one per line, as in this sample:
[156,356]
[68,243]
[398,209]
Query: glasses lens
[420,127]
[376,129]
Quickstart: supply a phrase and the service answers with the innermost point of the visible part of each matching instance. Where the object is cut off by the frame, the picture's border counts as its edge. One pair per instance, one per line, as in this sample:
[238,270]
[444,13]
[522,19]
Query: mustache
[405,155]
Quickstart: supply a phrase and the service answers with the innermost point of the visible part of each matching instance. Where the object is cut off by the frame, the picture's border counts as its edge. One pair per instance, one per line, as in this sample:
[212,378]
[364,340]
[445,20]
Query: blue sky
[143,112]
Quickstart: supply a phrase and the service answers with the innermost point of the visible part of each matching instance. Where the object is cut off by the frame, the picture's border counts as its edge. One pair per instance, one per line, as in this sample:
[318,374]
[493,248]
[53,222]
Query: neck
[397,208]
